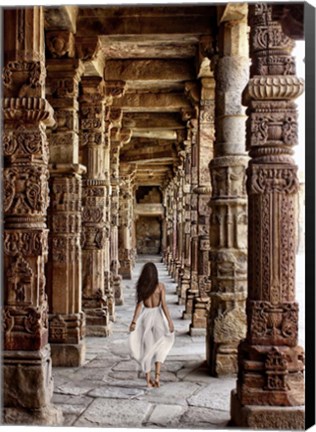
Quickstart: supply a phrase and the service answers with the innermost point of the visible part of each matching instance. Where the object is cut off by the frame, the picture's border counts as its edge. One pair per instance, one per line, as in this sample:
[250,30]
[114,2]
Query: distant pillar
[127,172]
[184,283]
[201,302]
[193,290]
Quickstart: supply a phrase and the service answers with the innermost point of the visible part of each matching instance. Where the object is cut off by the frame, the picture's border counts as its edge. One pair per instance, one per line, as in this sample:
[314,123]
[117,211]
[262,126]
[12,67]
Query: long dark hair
[147,282]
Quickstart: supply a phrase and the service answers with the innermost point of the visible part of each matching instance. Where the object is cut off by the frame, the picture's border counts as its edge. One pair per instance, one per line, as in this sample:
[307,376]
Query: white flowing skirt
[151,340]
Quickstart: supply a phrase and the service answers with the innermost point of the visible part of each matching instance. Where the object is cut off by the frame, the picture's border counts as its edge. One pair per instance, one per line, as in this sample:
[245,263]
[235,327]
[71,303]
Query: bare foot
[150,383]
[157,380]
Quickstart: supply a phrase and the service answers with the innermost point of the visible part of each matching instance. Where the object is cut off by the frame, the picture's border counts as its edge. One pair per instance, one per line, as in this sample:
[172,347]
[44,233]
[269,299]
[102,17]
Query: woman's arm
[165,308]
[137,311]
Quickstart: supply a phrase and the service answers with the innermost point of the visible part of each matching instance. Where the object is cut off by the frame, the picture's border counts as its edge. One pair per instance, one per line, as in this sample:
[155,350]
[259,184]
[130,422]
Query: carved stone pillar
[64,283]
[113,89]
[205,155]
[118,138]
[127,172]
[174,232]
[228,223]
[193,290]
[169,225]
[184,283]
[94,201]
[26,360]
[270,386]
[179,222]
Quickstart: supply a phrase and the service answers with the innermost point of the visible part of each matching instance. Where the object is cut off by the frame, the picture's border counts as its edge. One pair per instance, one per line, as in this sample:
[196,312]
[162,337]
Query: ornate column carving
[205,155]
[94,202]
[175,231]
[64,283]
[27,367]
[193,290]
[113,89]
[181,221]
[118,138]
[228,223]
[178,184]
[169,225]
[127,173]
[270,361]
[184,283]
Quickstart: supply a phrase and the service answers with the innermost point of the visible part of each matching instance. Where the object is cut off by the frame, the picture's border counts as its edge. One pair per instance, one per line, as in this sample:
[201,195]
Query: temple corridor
[109,381]
[169,130]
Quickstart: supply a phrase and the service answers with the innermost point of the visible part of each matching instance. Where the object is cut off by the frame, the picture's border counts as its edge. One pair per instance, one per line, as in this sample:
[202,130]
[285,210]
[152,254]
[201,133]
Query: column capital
[116,89]
[60,44]
[87,48]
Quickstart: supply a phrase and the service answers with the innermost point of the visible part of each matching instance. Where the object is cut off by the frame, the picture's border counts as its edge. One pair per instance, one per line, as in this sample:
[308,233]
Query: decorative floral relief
[277,179]
[273,322]
[25,190]
[28,243]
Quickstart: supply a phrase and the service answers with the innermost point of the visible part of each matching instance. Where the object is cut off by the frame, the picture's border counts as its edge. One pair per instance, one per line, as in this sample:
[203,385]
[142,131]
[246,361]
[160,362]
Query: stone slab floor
[110,391]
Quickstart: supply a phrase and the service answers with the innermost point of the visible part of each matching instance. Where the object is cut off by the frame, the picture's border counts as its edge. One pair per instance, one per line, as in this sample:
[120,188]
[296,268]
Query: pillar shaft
[193,290]
[228,223]
[64,270]
[115,203]
[117,139]
[27,367]
[94,202]
[270,362]
[205,155]
[179,222]
[127,173]
[184,283]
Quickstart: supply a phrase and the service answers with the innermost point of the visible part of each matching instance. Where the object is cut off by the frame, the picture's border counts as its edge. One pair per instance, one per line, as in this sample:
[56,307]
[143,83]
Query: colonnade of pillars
[206,214]
[253,332]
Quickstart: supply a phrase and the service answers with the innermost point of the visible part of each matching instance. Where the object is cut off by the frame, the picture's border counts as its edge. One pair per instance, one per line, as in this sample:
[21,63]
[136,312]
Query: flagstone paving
[109,390]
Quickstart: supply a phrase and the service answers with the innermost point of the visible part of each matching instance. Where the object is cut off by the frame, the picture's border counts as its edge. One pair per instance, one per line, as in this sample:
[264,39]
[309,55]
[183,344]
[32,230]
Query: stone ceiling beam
[155,134]
[91,23]
[145,158]
[153,46]
[61,18]
[152,102]
[140,143]
[145,121]
[149,70]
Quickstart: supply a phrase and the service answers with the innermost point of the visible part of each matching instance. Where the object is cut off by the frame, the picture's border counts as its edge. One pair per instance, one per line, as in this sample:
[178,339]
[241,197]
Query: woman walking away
[152,330]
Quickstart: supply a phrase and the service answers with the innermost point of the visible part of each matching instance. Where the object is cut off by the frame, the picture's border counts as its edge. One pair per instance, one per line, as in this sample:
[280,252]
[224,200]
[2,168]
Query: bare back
[155,299]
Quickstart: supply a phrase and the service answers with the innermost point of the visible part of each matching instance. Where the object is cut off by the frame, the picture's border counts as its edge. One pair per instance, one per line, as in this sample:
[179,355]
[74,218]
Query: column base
[119,301]
[126,273]
[221,360]
[118,291]
[190,296]
[99,330]
[46,416]
[27,379]
[266,417]
[111,308]
[68,355]
[199,316]
[197,331]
